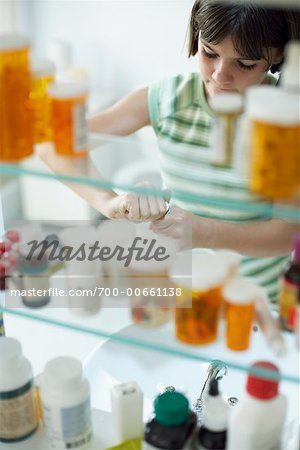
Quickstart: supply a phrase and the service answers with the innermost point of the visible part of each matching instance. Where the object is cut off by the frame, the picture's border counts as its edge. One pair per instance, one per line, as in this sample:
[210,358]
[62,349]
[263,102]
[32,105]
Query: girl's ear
[277,56]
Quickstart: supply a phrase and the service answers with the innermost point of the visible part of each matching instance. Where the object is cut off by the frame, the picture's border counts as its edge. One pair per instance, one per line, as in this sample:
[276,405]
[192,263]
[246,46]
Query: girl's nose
[222,74]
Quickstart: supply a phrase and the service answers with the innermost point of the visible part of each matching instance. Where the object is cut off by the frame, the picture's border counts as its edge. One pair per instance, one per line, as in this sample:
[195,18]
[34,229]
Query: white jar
[257,422]
[18,411]
[65,397]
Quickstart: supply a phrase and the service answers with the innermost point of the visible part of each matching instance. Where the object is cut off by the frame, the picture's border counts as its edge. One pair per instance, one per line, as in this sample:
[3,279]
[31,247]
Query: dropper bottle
[213,434]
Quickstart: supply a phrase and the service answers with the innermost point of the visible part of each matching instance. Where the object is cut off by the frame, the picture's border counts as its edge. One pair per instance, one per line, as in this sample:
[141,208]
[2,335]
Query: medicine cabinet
[148,355]
[151,355]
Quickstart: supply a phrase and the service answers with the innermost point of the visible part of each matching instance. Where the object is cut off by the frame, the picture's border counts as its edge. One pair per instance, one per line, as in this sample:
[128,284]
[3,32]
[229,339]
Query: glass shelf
[113,322]
[126,162]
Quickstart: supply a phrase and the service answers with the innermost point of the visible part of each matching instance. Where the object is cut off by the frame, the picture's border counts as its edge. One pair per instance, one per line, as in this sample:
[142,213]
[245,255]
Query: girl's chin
[215,91]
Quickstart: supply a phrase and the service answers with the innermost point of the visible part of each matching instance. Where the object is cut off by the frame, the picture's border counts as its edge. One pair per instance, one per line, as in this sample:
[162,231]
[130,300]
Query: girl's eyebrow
[244,58]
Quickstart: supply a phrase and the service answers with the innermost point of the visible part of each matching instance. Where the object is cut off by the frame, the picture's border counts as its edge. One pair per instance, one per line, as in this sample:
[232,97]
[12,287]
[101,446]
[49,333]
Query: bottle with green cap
[173,423]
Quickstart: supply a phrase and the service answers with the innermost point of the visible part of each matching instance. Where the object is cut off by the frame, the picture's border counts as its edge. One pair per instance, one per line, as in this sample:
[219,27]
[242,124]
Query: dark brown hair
[254,30]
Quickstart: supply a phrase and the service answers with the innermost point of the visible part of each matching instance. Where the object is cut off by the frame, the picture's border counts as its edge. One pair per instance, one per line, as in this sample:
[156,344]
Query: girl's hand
[136,207]
[188,230]
[178,225]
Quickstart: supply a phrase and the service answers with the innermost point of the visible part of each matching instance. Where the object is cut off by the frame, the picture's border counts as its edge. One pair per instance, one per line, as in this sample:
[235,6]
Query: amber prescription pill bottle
[240,295]
[68,106]
[198,307]
[274,146]
[42,74]
[15,117]
[227,107]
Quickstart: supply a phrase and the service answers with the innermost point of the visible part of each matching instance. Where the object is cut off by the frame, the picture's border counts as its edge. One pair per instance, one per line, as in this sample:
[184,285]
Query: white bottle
[127,411]
[290,73]
[65,397]
[18,412]
[212,434]
[257,422]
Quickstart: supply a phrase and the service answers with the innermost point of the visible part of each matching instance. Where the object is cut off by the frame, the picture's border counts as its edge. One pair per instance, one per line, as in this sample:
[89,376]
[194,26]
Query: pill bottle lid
[290,72]
[171,408]
[206,270]
[240,291]
[42,68]
[272,105]
[229,257]
[10,351]
[261,387]
[10,41]
[63,373]
[33,266]
[61,52]
[64,90]
[227,103]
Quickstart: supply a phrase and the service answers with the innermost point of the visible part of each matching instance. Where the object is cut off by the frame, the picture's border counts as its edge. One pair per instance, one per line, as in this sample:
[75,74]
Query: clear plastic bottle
[18,412]
[16,141]
[149,282]
[65,397]
[68,106]
[257,421]
[227,108]
[42,74]
[269,326]
[274,145]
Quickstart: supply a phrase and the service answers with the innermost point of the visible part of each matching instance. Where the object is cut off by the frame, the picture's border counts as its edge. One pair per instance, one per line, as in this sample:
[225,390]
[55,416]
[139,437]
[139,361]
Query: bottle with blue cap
[35,282]
[172,425]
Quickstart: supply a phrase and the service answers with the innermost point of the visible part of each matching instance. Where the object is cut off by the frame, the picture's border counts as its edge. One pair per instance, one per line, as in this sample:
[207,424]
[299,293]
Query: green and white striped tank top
[182,121]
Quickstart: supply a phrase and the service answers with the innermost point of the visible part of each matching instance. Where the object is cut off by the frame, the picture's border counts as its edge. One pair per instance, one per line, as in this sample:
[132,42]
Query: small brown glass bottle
[290,284]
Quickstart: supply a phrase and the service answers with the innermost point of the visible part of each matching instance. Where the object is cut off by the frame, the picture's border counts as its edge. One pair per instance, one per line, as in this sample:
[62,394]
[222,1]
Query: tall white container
[65,397]
[257,422]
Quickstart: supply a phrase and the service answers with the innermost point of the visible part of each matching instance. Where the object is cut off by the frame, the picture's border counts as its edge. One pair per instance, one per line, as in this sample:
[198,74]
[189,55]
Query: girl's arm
[258,239]
[125,117]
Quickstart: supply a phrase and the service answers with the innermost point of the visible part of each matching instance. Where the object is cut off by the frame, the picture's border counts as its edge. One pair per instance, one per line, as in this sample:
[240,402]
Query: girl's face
[224,70]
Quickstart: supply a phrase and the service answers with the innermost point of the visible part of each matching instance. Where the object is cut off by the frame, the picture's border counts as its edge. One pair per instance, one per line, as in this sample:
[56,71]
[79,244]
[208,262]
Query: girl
[237,46]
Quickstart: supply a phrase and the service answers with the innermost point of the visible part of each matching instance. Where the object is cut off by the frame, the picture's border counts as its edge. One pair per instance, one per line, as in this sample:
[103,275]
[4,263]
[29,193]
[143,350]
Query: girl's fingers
[146,207]
[132,207]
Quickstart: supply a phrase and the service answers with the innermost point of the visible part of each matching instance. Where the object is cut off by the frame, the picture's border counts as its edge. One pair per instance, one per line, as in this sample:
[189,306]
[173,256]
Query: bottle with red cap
[257,422]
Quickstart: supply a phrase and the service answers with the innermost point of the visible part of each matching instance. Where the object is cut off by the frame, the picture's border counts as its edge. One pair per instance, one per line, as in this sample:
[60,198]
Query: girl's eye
[245,67]
[208,55]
